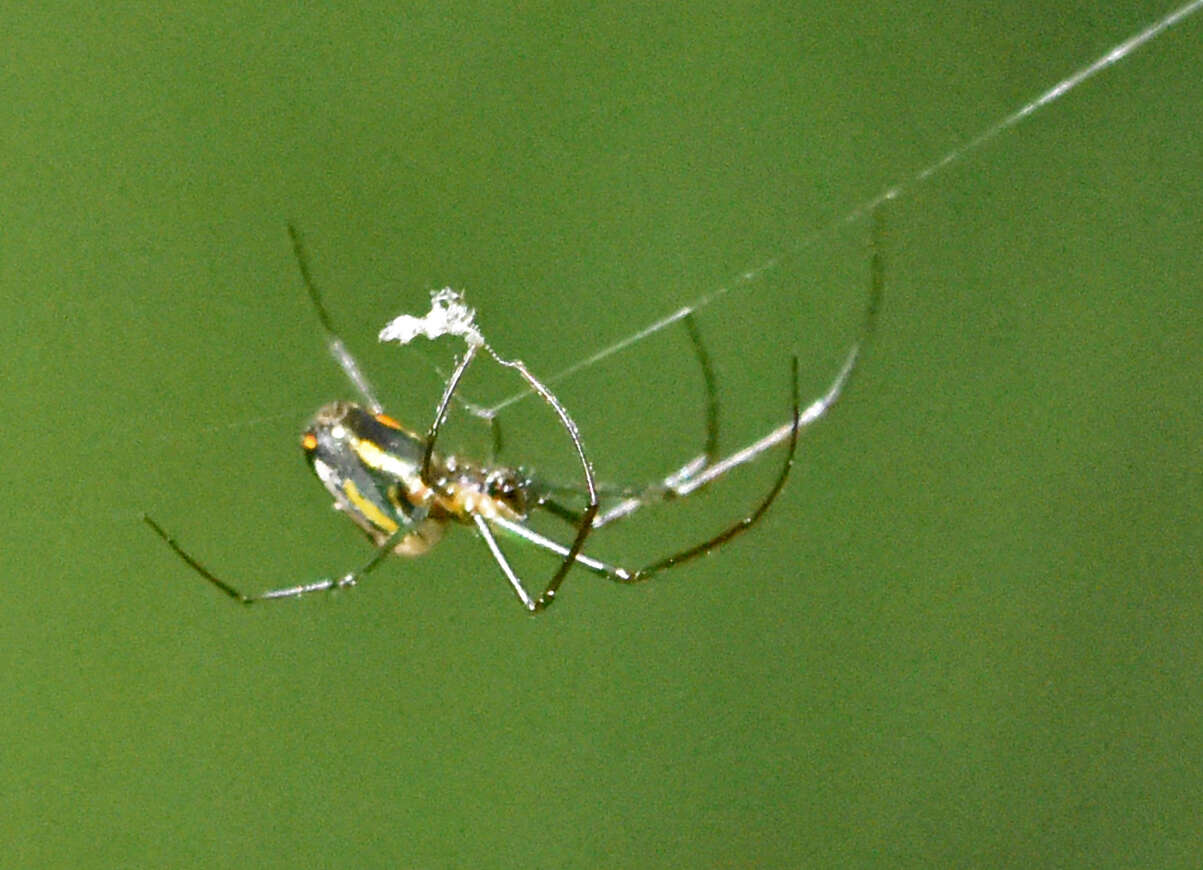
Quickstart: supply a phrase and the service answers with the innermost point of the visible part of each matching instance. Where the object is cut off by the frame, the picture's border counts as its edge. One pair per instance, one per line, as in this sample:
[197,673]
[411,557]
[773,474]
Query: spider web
[1114,55]
[744,280]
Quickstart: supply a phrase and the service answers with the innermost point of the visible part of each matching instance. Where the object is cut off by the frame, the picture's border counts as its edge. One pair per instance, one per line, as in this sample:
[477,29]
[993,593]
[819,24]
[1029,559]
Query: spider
[403,494]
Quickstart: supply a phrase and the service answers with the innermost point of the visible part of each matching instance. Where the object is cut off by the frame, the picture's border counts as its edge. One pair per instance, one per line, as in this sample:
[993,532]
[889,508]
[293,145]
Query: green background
[969,633]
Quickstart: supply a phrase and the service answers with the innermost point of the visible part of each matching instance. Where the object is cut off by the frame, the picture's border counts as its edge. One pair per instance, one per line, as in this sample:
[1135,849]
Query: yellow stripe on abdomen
[368,508]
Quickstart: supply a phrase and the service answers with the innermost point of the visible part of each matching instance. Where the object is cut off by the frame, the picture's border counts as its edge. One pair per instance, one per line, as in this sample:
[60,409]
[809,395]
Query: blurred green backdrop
[967,635]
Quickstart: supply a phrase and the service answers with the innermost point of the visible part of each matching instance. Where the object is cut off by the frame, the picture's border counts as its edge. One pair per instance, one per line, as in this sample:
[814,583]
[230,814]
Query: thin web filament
[1108,59]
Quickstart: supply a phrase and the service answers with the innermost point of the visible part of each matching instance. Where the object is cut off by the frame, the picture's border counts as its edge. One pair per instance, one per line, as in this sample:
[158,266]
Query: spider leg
[322,584]
[707,457]
[622,575]
[440,413]
[710,449]
[497,444]
[532,604]
[334,344]
[482,527]
[737,528]
[527,534]
[692,477]
[523,533]
[679,484]
[586,519]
